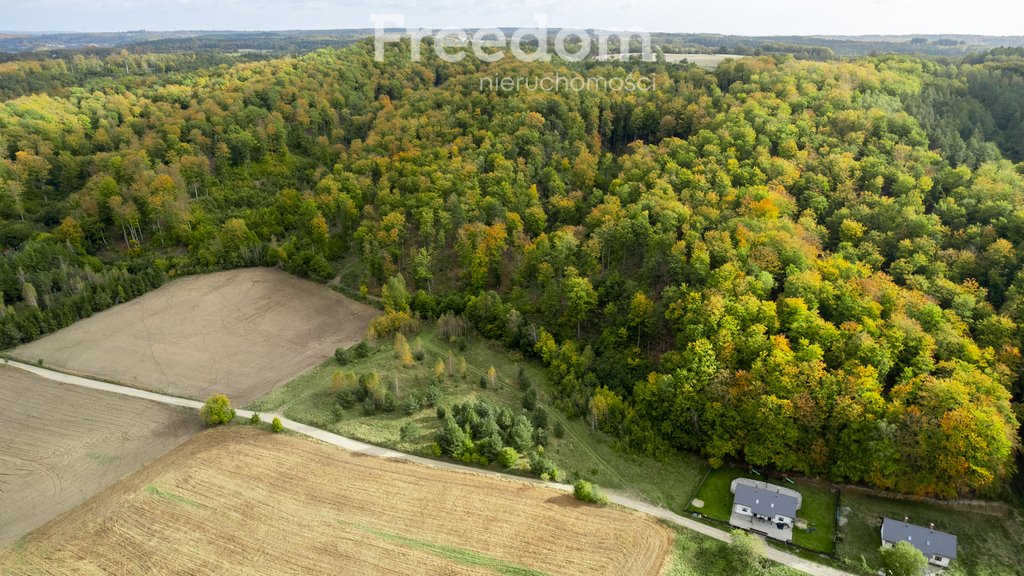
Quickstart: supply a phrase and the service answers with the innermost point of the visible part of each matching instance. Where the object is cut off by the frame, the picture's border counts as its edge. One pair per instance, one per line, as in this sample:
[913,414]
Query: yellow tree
[402,351]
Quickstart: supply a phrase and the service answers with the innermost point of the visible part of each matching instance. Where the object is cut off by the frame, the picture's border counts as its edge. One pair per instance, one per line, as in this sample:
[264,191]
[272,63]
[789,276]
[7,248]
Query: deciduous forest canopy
[810,266]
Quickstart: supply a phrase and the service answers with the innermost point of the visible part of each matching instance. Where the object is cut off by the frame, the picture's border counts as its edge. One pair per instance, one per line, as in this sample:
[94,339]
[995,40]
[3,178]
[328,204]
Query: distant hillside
[287,41]
[309,40]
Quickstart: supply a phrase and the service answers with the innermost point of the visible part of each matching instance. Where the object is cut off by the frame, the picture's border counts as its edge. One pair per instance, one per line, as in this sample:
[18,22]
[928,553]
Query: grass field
[62,444]
[695,555]
[244,501]
[987,544]
[818,506]
[579,453]
[240,332]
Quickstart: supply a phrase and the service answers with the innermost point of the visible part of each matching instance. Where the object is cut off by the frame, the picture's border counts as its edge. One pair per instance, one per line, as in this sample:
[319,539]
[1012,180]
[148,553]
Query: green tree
[521,434]
[507,457]
[903,560]
[217,410]
[580,297]
[641,313]
[587,492]
[452,438]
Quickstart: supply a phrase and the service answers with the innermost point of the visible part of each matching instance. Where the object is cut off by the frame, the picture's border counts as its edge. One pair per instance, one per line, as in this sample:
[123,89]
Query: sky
[742,17]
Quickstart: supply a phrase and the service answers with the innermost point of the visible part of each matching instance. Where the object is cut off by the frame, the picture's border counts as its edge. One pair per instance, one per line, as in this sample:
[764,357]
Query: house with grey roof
[764,508]
[938,547]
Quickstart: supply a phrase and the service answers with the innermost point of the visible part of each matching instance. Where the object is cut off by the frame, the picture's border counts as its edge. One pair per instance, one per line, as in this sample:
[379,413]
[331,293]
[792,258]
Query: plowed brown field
[241,501]
[240,332]
[61,444]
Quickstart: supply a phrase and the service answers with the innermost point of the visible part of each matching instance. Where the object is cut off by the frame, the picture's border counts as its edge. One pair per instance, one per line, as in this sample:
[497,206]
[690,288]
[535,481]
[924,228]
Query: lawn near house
[817,511]
[988,542]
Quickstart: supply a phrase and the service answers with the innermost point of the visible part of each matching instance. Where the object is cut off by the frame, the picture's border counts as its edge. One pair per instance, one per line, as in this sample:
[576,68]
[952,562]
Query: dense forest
[808,266]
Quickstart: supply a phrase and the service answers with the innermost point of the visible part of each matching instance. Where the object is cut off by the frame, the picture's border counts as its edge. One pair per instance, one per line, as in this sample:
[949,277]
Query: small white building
[938,547]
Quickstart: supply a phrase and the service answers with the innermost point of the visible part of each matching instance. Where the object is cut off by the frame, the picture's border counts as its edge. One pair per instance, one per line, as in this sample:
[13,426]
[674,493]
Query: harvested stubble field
[240,332]
[239,500]
[62,444]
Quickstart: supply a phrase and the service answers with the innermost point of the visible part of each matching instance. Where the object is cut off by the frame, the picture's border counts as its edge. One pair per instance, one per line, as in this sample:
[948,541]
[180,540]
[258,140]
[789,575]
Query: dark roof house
[766,502]
[938,547]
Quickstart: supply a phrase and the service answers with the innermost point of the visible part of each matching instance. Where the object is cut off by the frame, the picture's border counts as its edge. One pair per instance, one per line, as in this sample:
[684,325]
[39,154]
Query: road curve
[791,560]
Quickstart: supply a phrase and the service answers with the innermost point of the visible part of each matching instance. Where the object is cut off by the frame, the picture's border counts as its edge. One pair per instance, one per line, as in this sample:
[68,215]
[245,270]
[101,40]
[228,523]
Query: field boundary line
[355,446]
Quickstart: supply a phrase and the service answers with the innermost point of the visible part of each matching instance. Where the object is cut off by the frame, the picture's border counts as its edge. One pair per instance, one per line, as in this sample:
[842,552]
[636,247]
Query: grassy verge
[988,544]
[817,506]
[579,452]
[697,555]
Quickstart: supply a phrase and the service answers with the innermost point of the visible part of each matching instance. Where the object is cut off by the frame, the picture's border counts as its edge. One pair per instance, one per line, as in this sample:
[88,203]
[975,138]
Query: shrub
[507,457]
[542,465]
[417,349]
[432,396]
[441,412]
[530,399]
[460,367]
[343,356]
[409,431]
[540,418]
[339,379]
[559,429]
[390,323]
[492,377]
[522,379]
[255,418]
[217,410]
[361,350]
[587,492]
[411,405]
[540,436]
[348,397]
[276,425]
[483,382]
